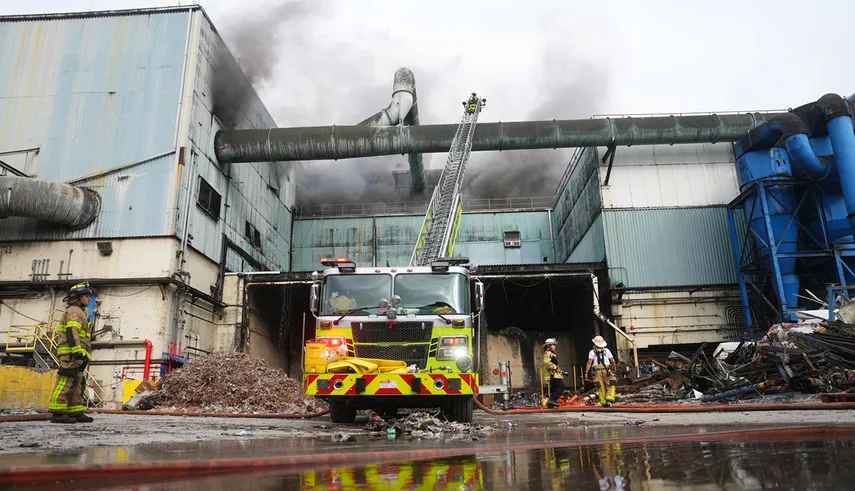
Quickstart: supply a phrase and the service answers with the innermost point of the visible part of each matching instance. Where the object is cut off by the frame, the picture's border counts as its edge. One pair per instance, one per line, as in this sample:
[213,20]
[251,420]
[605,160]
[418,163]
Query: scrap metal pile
[791,358]
[230,383]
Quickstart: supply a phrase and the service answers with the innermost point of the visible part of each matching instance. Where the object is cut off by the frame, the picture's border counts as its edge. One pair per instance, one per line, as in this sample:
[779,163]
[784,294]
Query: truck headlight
[452,347]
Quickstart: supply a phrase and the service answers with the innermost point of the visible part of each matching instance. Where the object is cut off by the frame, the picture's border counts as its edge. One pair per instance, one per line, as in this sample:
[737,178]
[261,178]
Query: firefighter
[603,362]
[550,363]
[73,343]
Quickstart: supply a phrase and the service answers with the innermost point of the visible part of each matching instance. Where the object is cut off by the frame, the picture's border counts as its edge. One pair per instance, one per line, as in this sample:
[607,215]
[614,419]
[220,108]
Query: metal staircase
[34,345]
[439,229]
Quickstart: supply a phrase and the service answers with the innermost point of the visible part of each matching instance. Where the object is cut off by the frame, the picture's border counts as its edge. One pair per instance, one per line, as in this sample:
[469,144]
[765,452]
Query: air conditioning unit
[512,239]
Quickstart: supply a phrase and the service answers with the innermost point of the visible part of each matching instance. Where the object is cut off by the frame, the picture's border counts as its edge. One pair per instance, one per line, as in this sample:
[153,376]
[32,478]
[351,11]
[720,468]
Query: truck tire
[459,410]
[339,413]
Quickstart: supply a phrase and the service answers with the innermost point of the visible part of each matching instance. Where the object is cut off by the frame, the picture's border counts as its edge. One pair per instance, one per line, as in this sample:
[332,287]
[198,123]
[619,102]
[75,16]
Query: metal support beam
[343,142]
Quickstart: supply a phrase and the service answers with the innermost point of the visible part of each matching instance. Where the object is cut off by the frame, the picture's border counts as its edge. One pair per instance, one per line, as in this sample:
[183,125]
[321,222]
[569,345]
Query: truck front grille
[384,332]
[414,354]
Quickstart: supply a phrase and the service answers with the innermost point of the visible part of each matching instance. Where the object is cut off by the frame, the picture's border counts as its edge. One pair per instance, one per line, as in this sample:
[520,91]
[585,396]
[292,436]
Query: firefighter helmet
[78,291]
[550,341]
[599,342]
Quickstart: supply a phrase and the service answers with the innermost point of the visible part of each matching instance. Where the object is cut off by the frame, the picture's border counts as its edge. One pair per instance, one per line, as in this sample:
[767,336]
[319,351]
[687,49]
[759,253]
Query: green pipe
[344,142]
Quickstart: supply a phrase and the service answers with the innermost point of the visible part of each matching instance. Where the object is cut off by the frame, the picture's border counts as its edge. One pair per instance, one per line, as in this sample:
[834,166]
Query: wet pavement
[632,456]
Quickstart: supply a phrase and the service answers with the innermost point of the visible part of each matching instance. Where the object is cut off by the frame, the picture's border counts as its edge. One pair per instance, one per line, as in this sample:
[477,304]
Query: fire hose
[45,417]
[674,408]
[158,471]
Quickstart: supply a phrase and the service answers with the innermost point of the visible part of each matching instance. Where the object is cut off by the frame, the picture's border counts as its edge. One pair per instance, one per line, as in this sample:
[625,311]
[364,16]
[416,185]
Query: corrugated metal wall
[481,238]
[592,247]
[261,194]
[95,93]
[671,175]
[669,247]
[578,204]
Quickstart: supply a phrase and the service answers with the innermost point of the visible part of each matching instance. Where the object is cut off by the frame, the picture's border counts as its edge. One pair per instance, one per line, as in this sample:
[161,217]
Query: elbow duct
[53,202]
[403,110]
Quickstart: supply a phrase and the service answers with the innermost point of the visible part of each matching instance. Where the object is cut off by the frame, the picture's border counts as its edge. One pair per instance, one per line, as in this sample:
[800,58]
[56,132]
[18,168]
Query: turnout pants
[67,395]
[556,389]
[605,381]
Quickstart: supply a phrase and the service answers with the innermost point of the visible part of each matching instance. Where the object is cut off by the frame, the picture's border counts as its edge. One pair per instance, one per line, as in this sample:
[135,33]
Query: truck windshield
[343,293]
[427,293]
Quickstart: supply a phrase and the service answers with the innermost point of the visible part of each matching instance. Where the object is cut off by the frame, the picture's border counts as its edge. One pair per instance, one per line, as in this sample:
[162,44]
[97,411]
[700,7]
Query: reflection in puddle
[824,461]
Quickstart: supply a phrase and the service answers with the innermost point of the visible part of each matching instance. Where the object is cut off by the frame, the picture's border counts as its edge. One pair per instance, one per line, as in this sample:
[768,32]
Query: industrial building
[196,245]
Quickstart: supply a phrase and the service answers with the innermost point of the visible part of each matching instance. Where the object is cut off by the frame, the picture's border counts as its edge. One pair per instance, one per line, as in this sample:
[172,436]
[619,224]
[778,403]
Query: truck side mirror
[479,296]
[314,299]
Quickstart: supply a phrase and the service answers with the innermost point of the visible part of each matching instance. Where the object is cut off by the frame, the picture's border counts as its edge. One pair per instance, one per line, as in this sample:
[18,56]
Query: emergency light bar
[444,263]
[342,263]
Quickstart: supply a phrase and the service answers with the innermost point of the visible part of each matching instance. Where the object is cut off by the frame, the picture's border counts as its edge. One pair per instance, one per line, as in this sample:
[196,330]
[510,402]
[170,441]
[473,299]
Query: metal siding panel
[133,205]
[669,247]
[95,93]
[349,237]
[592,247]
[577,204]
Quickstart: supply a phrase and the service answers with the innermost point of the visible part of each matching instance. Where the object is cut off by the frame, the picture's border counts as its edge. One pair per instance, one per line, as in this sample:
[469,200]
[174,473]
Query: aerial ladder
[442,220]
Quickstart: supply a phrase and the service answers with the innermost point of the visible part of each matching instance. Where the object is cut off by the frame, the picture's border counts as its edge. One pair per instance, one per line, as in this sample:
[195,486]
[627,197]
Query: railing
[697,113]
[29,338]
[419,207]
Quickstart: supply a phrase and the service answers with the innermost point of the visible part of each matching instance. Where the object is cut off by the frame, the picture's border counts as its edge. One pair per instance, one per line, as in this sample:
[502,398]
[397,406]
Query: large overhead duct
[403,110]
[343,142]
[54,202]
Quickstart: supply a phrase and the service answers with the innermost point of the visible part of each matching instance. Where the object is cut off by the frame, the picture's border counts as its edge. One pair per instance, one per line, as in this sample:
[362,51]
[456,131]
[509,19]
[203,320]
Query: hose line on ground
[675,408]
[45,417]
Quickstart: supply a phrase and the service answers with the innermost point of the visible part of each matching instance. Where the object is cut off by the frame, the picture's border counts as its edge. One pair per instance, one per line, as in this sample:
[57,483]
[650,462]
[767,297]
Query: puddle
[597,458]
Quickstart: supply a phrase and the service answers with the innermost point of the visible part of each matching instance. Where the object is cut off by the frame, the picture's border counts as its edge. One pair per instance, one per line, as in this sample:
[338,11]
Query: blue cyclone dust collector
[792,225]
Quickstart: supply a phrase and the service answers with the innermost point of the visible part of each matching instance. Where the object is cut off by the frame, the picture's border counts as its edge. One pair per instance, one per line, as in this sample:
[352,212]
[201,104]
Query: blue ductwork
[797,177]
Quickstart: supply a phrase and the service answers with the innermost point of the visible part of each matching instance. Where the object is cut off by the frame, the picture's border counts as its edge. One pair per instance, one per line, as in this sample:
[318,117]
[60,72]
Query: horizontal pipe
[53,202]
[343,142]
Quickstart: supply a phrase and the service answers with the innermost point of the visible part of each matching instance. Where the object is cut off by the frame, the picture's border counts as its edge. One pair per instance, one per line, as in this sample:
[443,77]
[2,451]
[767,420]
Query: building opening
[525,305]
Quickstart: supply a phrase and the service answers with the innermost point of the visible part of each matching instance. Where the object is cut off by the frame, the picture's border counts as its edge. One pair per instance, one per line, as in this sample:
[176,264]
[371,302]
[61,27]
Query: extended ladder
[439,229]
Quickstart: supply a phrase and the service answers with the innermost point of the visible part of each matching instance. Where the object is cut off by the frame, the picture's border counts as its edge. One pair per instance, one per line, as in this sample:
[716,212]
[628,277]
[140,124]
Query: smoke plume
[256,37]
[572,90]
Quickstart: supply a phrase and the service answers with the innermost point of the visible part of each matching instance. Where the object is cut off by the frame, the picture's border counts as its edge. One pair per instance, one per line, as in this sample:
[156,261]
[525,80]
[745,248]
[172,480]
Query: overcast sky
[332,61]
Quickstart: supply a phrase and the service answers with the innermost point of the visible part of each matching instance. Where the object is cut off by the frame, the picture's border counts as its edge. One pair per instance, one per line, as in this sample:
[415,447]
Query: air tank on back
[797,173]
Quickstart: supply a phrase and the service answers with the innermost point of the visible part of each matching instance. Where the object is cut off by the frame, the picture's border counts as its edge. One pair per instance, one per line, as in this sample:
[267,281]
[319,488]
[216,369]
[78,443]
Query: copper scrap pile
[233,383]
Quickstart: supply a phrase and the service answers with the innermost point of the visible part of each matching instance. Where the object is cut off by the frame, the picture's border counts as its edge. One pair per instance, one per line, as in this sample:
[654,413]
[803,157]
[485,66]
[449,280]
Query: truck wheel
[459,410]
[339,413]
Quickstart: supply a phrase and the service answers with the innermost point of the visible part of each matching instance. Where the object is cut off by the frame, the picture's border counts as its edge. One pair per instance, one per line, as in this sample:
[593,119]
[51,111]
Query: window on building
[209,200]
[512,239]
[253,236]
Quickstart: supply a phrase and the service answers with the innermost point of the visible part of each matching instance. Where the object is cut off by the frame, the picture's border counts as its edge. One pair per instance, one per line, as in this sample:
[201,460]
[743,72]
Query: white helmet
[550,341]
[599,342]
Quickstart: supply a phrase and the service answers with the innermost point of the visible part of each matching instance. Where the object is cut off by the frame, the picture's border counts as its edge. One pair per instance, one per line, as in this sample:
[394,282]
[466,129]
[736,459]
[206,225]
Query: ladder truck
[402,337]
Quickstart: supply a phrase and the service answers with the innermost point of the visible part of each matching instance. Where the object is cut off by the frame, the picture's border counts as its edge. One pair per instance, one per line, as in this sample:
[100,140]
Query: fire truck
[395,337]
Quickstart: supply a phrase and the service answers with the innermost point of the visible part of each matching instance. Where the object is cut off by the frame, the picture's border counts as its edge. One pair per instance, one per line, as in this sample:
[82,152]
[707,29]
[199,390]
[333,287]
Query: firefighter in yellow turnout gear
[603,363]
[556,380]
[73,343]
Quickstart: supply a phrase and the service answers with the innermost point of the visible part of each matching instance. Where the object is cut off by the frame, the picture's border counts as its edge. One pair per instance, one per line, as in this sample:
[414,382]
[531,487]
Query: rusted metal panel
[669,247]
[678,175]
[578,202]
[95,93]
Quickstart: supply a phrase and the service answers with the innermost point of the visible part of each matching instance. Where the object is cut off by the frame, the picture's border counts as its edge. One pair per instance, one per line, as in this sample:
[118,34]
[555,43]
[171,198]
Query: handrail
[44,334]
[419,207]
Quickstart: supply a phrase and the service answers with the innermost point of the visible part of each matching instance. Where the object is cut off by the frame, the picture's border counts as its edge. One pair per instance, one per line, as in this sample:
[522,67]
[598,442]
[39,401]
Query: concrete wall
[524,352]
[680,317]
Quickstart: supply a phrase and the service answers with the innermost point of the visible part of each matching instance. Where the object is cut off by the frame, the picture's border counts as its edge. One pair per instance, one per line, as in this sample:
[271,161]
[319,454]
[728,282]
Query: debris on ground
[791,359]
[419,425]
[230,383]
